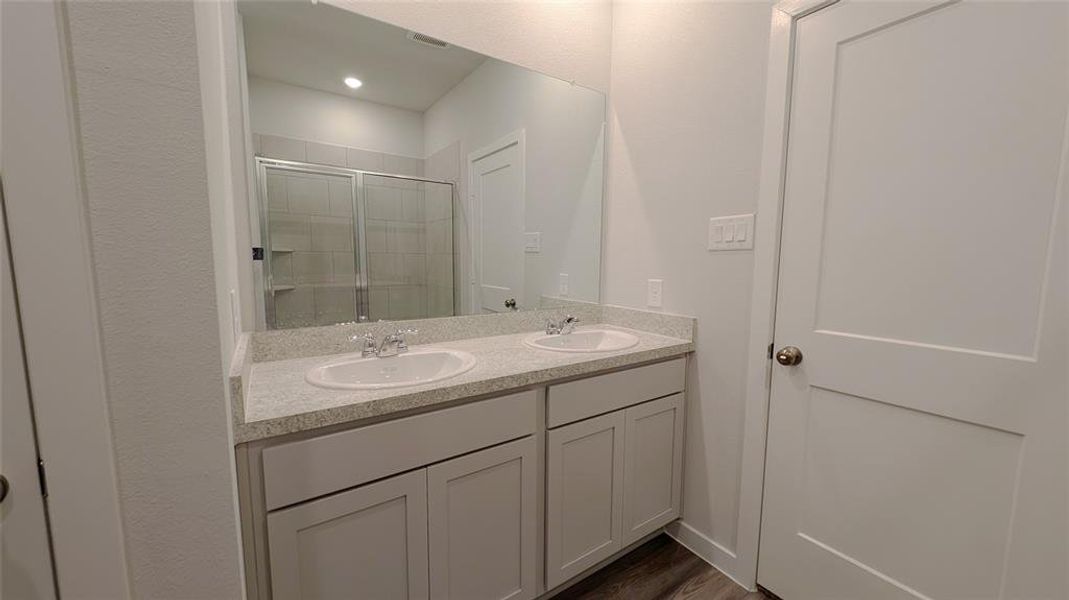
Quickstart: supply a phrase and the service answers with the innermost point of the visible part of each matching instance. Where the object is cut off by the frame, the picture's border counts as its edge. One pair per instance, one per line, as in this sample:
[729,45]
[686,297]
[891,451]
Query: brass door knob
[789,356]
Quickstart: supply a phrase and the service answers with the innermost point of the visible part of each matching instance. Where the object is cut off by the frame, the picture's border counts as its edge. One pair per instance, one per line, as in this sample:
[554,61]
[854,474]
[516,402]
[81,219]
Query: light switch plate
[563,285]
[532,242]
[654,292]
[731,233]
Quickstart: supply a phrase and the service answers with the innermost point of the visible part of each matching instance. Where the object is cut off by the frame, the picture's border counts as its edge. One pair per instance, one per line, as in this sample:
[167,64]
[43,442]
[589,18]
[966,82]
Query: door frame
[52,263]
[767,231]
[518,137]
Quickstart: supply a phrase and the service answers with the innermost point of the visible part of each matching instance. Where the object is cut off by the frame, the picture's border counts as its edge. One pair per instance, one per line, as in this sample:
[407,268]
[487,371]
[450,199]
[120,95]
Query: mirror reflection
[401,177]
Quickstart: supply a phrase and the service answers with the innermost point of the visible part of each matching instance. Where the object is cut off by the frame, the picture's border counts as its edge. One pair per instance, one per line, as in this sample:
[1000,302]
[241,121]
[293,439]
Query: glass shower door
[312,255]
[344,245]
[409,225]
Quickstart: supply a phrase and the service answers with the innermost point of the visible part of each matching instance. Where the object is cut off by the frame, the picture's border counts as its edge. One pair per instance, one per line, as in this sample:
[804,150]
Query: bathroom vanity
[509,480]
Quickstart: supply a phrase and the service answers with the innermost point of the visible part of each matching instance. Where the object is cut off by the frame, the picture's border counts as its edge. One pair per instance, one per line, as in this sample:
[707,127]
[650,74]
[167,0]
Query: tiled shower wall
[311,248]
[438,219]
[410,260]
[283,148]
[409,238]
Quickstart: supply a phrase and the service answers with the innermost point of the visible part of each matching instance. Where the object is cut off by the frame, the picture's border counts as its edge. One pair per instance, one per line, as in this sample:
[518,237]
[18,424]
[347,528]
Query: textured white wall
[297,112]
[141,131]
[687,102]
[568,40]
[563,164]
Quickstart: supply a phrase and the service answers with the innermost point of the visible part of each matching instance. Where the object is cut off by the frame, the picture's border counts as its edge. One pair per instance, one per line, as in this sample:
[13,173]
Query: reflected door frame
[517,138]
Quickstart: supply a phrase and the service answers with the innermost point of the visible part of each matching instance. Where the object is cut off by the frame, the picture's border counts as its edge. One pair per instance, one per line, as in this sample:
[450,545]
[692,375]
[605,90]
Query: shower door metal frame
[359,197]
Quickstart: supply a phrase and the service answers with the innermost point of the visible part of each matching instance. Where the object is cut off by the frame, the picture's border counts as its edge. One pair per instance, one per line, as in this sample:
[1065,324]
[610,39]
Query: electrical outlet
[654,292]
[562,287]
[731,233]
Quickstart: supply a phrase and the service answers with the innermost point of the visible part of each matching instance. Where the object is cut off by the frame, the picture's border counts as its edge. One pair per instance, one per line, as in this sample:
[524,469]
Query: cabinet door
[483,523]
[653,465]
[584,488]
[369,542]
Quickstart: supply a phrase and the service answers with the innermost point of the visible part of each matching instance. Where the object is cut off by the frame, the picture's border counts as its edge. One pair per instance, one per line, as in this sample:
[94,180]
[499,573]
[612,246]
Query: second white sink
[415,367]
[583,340]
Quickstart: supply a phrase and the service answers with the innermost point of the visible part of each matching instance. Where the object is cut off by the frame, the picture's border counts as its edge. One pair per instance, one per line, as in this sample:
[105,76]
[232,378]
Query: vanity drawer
[577,400]
[310,468]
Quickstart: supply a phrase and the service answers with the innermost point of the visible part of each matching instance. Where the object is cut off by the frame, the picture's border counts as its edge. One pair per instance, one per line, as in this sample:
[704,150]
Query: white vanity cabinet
[653,466]
[613,478]
[483,524]
[584,501]
[505,498]
[372,538]
[463,529]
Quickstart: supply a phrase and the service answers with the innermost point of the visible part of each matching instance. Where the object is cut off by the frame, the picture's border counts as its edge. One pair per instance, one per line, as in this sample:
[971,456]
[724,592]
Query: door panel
[483,522]
[653,465]
[918,451]
[497,190]
[315,255]
[584,489]
[25,562]
[369,542]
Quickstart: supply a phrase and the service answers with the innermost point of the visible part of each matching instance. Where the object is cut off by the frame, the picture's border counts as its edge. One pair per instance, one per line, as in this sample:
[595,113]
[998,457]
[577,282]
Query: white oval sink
[583,340]
[415,367]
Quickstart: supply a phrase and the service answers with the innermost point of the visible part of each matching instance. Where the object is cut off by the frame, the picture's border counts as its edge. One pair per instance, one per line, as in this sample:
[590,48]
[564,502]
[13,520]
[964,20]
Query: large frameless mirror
[400,176]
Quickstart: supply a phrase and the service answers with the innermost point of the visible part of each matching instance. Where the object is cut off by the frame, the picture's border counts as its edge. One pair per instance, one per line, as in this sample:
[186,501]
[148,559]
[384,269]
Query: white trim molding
[766,272]
[706,548]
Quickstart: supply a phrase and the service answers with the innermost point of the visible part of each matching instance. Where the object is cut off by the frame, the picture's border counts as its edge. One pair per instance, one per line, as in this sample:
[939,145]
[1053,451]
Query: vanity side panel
[248,537]
[253,513]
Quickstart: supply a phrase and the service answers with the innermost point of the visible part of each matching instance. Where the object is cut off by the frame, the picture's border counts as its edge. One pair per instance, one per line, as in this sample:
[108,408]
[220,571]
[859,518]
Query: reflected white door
[25,561]
[919,449]
[497,199]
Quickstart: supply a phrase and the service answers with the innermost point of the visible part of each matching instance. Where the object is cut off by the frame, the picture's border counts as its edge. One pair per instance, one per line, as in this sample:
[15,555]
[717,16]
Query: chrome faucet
[562,327]
[391,345]
[394,343]
[368,340]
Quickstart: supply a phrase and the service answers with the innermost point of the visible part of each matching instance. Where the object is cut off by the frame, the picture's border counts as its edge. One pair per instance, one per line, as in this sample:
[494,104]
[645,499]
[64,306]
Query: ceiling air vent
[427,40]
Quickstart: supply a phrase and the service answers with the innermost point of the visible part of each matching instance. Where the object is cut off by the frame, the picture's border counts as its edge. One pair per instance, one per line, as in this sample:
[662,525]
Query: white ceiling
[317,46]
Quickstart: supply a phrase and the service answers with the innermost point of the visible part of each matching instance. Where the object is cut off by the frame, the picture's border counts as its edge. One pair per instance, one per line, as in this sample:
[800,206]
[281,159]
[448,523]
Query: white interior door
[25,560]
[919,449]
[497,197]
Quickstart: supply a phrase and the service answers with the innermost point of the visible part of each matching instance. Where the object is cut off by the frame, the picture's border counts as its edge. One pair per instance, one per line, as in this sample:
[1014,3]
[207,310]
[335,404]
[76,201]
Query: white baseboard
[707,549]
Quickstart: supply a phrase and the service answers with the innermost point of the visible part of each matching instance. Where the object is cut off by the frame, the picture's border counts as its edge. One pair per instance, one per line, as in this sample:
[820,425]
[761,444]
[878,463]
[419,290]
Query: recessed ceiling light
[353,82]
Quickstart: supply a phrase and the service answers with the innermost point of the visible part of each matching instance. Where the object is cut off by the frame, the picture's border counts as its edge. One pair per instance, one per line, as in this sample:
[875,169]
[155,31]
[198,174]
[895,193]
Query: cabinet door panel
[653,465]
[584,489]
[483,524]
[369,542]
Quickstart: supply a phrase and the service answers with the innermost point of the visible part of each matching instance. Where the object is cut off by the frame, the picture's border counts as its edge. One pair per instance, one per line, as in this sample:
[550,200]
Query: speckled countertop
[277,399]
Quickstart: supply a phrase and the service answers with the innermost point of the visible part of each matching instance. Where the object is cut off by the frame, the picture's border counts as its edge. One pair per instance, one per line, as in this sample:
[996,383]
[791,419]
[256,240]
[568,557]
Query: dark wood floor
[658,569]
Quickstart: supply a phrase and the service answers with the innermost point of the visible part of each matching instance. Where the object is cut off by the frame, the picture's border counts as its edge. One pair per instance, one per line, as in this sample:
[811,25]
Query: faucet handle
[369,342]
[401,333]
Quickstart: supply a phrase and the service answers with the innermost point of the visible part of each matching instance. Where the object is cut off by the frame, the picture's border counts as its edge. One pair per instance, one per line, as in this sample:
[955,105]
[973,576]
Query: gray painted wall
[141,131]
[687,115]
